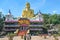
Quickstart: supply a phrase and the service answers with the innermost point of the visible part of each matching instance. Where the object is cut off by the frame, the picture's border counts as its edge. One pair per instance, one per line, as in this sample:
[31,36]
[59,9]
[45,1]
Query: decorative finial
[39,12]
[9,12]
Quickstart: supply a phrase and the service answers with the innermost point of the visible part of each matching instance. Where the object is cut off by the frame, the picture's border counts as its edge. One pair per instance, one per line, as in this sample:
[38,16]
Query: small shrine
[9,16]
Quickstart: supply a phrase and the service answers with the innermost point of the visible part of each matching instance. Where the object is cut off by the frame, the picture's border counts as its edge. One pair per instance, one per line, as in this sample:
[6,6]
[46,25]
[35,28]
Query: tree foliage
[1,20]
[51,19]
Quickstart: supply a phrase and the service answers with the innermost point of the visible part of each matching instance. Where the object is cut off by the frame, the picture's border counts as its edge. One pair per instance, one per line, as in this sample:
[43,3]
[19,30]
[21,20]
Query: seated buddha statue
[27,12]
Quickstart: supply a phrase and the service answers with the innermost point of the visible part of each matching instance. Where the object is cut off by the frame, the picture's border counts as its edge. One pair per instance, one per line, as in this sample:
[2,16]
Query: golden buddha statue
[27,12]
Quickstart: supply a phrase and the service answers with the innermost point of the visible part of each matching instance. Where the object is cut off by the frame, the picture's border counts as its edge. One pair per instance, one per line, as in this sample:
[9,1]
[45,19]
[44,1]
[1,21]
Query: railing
[9,29]
[36,29]
[36,25]
[11,25]
[20,25]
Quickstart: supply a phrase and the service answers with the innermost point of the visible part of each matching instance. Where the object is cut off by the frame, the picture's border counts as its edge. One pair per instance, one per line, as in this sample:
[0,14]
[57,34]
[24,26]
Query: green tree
[58,18]
[1,21]
[51,19]
[46,17]
[54,19]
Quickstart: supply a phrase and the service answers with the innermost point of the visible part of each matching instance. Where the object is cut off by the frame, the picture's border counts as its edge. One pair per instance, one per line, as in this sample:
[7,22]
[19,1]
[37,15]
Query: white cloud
[54,11]
[1,9]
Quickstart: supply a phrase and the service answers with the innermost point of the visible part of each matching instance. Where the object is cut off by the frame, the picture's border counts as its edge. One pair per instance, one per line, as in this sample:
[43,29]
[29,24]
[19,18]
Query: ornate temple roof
[37,18]
[9,17]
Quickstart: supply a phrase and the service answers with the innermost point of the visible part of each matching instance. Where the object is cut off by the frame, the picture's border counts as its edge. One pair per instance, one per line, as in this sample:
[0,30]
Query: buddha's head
[27,5]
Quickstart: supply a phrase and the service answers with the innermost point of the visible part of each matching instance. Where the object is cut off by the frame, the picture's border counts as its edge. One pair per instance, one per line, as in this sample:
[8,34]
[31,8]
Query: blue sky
[16,6]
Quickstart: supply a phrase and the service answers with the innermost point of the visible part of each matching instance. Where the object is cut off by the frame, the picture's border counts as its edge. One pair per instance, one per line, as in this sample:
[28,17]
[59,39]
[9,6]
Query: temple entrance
[23,30]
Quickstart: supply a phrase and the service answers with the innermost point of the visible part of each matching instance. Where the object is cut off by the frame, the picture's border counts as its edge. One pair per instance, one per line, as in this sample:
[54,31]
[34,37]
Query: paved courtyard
[32,38]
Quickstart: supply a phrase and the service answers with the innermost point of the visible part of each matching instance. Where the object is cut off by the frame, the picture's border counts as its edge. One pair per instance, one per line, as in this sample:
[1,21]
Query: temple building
[10,24]
[28,23]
